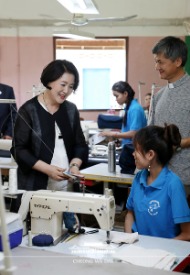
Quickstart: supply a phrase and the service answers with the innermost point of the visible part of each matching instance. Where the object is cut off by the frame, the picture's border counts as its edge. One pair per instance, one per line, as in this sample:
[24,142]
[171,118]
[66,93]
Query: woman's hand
[185,232]
[74,170]
[129,219]
[56,173]
[7,137]
[106,134]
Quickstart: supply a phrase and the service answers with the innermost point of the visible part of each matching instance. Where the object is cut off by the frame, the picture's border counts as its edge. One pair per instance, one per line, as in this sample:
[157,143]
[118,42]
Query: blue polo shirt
[158,208]
[136,120]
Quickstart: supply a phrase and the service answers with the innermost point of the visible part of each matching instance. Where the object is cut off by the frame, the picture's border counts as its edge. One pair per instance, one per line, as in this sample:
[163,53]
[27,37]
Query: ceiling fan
[80,20]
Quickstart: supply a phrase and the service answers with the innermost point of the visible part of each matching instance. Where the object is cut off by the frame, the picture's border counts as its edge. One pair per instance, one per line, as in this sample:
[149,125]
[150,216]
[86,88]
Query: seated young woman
[157,204]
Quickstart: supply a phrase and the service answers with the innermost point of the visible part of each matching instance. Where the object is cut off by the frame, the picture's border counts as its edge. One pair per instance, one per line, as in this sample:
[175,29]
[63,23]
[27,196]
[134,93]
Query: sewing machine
[46,209]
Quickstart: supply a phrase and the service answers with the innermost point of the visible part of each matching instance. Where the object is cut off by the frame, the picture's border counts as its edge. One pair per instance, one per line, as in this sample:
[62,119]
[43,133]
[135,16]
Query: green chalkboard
[187,66]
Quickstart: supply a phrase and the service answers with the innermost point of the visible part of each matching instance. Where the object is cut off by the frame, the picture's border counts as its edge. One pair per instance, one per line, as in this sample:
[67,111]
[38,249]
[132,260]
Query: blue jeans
[70,221]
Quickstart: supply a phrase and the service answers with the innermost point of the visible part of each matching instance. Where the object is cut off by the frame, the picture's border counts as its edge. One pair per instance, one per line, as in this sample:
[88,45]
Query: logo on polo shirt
[153,207]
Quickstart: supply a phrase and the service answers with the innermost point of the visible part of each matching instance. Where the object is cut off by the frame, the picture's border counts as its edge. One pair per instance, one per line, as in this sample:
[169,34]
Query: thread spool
[13,180]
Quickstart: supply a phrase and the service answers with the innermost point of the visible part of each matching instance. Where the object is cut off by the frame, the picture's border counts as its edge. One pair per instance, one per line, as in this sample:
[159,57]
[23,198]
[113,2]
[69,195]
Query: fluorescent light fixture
[79,6]
[75,34]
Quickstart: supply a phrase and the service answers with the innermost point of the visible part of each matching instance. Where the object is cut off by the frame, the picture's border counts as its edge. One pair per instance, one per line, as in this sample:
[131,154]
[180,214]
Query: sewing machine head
[47,207]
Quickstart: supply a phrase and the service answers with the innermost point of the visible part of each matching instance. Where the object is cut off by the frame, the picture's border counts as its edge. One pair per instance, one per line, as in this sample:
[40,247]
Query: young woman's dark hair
[162,140]
[56,69]
[121,87]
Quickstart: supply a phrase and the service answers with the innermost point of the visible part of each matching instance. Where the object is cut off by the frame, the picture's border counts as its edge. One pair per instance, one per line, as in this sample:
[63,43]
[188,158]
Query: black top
[34,139]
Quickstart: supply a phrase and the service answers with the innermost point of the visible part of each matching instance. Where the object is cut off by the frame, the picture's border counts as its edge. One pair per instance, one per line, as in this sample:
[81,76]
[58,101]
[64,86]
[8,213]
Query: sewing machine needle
[108,237]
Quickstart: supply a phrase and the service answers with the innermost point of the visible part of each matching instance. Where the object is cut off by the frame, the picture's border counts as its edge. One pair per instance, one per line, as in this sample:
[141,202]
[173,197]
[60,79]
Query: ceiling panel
[47,13]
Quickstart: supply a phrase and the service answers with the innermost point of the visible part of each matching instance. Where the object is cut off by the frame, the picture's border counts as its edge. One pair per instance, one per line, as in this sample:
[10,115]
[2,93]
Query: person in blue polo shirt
[134,119]
[157,204]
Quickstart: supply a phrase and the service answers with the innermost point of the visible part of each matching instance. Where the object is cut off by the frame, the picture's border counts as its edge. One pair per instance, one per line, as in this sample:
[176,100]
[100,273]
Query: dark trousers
[126,160]
[127,164]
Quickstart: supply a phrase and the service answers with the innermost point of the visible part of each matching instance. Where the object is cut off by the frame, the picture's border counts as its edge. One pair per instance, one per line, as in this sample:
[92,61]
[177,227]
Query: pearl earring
[149,168]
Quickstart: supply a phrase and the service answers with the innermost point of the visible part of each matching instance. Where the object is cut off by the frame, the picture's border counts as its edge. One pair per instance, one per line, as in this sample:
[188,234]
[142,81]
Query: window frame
[55,38]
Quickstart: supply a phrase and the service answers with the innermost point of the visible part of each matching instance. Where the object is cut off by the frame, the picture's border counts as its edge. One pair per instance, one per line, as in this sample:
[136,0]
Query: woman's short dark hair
[55,69]
[162,140]
[172,48]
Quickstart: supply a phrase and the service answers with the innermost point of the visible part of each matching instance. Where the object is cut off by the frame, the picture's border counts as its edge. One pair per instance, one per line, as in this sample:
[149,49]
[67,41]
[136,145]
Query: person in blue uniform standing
[157,204]
[134,119]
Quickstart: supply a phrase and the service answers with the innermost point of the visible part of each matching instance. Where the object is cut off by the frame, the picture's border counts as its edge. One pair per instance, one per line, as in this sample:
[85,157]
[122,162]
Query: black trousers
[127,164]
[126,159]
